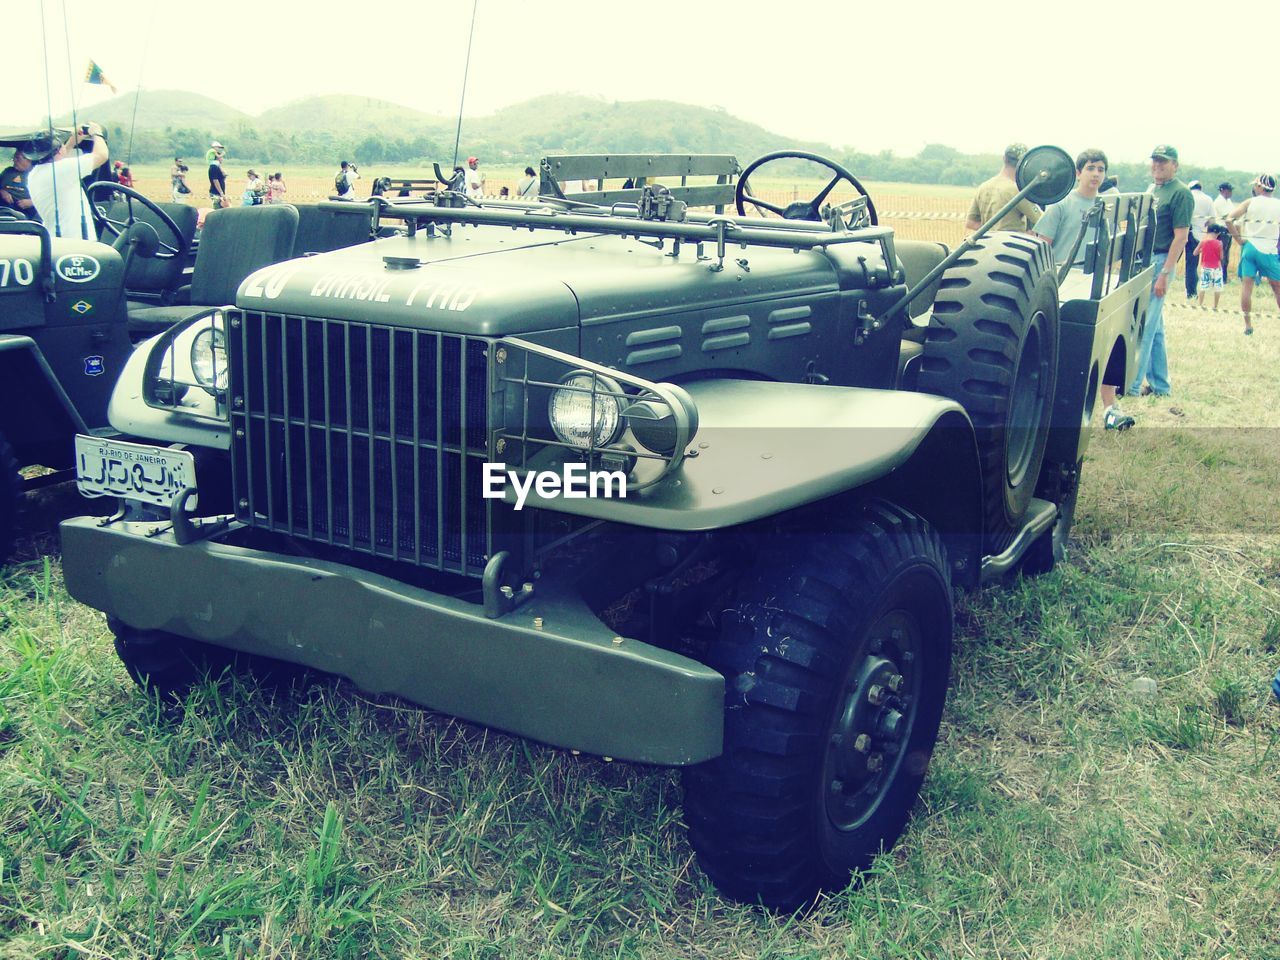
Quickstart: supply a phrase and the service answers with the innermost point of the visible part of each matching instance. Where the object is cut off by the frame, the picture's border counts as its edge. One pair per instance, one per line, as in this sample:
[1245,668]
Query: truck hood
[495,281]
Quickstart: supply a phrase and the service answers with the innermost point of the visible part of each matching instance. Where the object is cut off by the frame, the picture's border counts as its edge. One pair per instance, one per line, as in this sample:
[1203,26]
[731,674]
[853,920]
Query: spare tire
[992,346]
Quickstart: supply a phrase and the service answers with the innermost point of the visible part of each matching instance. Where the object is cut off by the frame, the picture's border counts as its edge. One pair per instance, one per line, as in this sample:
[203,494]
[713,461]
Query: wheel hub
[873,719]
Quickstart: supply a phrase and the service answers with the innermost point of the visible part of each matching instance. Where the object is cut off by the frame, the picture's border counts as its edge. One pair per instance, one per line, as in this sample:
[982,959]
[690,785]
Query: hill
[163,109]
[343,114]
[560,123]
[323,129]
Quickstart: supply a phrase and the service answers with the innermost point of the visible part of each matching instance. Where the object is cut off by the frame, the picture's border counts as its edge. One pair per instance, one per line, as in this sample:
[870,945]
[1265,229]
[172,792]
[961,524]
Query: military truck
[663,486]
[62,345]
[72,309]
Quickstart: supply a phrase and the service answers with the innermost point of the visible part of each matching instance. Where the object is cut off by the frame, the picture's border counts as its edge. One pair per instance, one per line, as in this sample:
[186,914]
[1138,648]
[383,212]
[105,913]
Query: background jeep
[71,309]
[824,432]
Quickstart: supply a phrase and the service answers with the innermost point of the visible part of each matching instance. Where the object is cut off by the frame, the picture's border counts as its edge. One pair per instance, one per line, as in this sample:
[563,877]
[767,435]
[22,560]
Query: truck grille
[367,437]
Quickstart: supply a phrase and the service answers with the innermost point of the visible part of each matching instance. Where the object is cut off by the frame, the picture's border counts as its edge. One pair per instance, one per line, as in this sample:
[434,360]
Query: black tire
[10,497]
[992,346]
[165,663]
[792,806]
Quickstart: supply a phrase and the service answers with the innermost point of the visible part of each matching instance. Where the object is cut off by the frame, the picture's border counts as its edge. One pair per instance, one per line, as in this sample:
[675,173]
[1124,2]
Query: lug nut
[862,744]
[894,683]
[876,695]
[837,786]
[875,762]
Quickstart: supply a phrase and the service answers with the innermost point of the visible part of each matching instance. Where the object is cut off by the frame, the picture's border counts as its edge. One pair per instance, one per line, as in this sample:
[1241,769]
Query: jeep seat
[155,276]
[322,228]
[917,257]
[235,242]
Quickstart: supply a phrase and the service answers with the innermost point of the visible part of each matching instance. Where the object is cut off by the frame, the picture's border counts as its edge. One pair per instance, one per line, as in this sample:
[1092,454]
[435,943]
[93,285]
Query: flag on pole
[95,75]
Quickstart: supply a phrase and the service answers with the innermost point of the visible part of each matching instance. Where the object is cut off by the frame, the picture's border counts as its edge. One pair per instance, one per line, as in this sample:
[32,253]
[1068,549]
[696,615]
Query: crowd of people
[46,180]
[1187,224]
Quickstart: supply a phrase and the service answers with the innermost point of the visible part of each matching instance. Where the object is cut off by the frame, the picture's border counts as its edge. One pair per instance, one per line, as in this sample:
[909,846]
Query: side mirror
[1053,168]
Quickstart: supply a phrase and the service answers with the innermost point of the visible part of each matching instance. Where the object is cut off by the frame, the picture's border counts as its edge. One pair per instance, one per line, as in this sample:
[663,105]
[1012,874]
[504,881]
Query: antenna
[133,121]
[466,68]
[48,96]
[75,121]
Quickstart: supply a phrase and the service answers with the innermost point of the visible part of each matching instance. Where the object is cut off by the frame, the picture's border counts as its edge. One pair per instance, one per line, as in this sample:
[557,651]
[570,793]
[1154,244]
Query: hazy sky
[860,74]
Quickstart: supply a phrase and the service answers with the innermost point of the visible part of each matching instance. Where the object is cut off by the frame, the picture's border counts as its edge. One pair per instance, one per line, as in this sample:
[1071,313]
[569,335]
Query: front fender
[763,449]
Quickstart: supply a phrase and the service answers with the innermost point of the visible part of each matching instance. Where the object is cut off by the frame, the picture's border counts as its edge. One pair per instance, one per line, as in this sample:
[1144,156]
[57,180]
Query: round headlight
[209,358]
[586,410]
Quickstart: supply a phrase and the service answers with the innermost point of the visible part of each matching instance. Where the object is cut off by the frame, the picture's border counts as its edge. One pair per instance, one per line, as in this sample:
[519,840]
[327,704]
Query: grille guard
[524,374]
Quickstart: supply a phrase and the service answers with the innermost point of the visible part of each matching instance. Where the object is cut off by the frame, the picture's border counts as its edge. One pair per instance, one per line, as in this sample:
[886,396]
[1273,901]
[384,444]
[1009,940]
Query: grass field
[1065,816]
[916,211]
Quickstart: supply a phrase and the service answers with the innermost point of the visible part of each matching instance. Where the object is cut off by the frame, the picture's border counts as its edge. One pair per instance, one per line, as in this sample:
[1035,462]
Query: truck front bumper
[570,683]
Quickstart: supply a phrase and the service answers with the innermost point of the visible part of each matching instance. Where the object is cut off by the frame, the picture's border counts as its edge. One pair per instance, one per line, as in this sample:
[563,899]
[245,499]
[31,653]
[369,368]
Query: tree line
[935,163]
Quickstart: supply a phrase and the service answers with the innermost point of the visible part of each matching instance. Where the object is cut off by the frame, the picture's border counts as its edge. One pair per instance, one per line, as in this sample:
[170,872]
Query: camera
[183,168]
[84,129]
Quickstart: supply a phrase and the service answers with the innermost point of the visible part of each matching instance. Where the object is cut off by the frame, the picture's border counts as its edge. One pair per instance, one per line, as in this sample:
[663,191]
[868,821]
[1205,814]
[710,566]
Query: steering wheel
[113,230]
[855,213]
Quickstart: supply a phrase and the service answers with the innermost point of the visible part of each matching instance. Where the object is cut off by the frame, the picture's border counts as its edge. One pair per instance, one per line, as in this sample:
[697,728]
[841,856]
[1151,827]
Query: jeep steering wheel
[112,230]
[851,213]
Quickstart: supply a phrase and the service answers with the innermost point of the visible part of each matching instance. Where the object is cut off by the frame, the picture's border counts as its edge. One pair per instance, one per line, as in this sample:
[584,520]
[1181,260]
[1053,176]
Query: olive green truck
[666,486]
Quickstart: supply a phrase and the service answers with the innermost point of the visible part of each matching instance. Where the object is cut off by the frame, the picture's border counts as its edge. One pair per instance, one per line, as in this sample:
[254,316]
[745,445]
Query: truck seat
[917,258]
[235,242]
[322,228]
[157,276]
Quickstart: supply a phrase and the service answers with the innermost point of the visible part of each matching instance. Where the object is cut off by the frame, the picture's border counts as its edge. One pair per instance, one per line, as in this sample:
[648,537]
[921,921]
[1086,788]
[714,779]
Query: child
[1211,263]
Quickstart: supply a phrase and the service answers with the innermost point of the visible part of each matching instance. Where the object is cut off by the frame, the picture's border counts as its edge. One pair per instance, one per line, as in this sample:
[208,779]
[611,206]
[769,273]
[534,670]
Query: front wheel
[165,663]
[10,497]
[836,656]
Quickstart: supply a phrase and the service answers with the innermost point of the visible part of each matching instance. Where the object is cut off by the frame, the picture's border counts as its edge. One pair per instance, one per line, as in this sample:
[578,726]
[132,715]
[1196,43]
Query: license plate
[116,468]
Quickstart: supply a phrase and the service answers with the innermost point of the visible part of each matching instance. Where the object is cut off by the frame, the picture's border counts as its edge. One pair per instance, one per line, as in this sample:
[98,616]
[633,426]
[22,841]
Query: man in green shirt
[999,190]
[1174,204]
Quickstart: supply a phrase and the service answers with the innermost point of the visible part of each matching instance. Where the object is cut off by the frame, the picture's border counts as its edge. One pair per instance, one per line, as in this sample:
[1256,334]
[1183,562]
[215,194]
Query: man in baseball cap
[56,180]
[217,176]
[475,179]
[1201,215]
[1256,226]
[1174,205]
[1222,207]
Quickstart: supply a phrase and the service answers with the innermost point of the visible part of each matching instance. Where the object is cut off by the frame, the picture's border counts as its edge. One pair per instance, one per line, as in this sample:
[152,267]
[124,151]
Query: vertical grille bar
[395,450]
[370,377]
[350,422]
[306,427]
[417,457]
[248,419]
[288,423]
[328,430]
[463,462]
[440,512]
[267,470]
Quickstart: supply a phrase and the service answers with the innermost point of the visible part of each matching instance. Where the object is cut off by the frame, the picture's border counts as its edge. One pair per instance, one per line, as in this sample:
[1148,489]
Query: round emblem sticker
[77,268]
